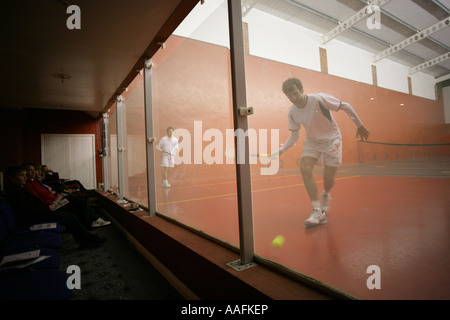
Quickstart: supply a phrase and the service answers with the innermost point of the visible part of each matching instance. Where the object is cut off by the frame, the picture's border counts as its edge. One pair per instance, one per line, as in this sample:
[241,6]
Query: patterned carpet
[114,271]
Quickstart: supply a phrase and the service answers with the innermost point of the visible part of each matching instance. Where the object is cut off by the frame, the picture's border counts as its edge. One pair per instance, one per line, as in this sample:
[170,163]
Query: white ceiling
[400,19]
[101,58]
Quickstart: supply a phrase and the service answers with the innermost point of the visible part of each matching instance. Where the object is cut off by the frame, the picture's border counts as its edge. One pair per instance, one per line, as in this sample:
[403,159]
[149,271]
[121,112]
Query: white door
[72,156]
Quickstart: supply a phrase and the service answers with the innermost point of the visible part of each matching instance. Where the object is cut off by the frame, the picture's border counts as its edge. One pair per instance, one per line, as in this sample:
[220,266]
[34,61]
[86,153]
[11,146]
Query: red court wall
[191,82]
[417,121]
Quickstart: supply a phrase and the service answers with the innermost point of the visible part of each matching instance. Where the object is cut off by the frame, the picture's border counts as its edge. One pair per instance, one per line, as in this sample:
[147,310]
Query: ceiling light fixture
[62,76]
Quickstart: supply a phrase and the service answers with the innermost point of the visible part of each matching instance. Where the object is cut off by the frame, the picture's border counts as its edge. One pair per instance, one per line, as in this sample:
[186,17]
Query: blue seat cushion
[47,284]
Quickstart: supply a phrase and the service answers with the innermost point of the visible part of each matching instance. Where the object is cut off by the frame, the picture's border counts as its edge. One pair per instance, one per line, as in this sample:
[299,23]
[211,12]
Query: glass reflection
[192,94]
[136,143]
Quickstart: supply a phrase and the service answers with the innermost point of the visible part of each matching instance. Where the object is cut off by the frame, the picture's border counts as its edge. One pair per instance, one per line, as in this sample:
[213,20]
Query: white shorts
[167,161]
[331,150]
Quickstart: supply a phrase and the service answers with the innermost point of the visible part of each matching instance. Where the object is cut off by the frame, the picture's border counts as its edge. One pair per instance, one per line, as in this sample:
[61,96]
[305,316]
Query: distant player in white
[323,137]
[168,146]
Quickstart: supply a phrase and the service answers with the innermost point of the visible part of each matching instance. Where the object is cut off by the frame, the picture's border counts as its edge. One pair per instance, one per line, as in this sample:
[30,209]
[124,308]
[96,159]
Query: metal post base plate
[236,265]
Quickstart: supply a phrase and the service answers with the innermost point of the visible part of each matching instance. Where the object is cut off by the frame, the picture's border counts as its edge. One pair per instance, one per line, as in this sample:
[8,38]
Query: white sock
[316,204]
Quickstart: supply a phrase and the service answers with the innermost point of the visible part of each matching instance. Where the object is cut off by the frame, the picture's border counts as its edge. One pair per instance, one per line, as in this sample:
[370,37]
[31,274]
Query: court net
[380,151]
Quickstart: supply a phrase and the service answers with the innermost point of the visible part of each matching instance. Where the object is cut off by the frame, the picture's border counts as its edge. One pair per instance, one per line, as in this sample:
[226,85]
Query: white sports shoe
[165,184]
[317,217]
[100,223]
[325,201]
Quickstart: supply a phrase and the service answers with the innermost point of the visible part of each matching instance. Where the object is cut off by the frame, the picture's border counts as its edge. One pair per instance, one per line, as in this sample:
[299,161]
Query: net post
[359,151]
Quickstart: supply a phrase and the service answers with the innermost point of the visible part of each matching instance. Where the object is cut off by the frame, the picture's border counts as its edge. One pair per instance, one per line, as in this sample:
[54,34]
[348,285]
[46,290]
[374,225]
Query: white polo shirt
[169,146]
[316,118]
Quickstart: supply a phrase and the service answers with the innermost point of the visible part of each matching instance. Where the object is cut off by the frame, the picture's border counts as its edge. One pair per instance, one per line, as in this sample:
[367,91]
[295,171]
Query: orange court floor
[393,215]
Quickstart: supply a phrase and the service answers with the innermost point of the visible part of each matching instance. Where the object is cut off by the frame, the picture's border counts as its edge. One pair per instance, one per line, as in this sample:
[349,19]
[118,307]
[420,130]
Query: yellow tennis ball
[278,242]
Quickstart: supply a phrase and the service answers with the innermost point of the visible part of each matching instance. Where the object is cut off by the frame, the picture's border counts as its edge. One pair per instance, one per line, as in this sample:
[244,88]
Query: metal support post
[243,175]
[150,140]
[122,146]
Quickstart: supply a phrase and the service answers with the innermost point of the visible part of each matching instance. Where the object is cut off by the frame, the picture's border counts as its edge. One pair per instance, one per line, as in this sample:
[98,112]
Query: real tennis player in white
[323,137]
[168,146]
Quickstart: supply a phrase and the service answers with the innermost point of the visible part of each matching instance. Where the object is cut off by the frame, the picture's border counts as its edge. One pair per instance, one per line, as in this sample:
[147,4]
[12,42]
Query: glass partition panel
[191,91]
[136,144]
[279,49]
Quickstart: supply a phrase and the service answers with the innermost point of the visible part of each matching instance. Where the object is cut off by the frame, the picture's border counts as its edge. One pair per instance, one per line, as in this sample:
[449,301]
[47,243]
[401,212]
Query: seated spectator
[52,179]
[61,186]
[36,188]
[49,177]
[76,192]
[30,209]
[78,203]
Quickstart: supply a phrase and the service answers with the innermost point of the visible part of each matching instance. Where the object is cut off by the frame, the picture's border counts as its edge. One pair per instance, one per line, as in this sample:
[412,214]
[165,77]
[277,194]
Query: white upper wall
[423,85]
[208,22]
[392,75]
[349,62]
[280,40]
